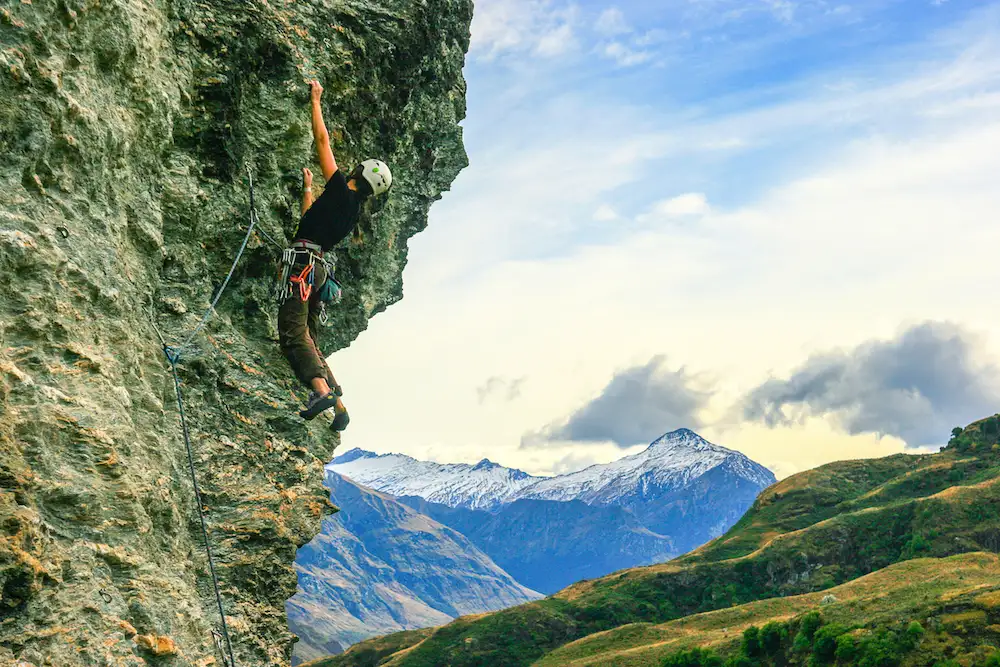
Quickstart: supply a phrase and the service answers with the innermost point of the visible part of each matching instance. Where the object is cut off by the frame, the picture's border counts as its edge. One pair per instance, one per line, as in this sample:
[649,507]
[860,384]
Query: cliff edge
[127,128]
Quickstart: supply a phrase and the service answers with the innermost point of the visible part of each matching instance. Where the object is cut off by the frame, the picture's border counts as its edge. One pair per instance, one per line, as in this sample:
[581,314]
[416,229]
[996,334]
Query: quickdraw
[305,281]
[300,283]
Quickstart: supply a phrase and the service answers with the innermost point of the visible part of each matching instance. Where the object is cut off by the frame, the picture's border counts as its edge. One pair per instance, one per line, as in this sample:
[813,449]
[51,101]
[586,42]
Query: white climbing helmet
[377,174]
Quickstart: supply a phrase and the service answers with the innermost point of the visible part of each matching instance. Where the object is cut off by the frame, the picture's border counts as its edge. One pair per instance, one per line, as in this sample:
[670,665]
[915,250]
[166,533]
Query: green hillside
[811,532]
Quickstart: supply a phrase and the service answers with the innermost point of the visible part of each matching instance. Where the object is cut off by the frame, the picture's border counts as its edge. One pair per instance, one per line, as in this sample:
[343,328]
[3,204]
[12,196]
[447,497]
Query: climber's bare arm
[307,190]
[323,150]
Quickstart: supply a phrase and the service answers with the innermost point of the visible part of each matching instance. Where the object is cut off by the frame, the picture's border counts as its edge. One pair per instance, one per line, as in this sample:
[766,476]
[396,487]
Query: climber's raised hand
[307,177]
[322,138]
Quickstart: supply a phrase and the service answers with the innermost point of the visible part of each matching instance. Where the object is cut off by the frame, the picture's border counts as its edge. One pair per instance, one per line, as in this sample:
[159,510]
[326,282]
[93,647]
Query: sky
[771,221]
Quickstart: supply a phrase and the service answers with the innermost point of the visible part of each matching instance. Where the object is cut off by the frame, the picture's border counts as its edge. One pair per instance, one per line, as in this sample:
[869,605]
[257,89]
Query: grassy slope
[810,532]
[925,588]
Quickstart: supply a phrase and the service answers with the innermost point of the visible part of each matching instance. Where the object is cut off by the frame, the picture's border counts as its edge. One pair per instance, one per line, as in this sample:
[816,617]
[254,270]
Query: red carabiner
[305,287]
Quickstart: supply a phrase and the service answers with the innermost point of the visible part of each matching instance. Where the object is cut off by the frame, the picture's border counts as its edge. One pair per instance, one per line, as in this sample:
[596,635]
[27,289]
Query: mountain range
[548,532]
[379,566]
[418,543]
[890,561]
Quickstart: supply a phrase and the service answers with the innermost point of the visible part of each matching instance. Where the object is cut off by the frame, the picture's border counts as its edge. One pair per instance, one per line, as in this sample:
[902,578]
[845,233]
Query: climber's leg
[314,311]
[298,347]
[340,419]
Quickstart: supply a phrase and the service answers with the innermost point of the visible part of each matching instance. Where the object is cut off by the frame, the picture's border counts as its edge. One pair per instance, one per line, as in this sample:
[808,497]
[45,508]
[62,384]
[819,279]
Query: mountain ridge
[809,533]
[676,458]
[378,566]
[676,494]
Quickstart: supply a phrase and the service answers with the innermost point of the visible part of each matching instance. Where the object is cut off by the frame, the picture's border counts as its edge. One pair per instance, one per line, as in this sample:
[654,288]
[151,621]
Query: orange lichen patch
[231,358]
[9,368]
[989,600]
[267,400]
[129,629]
[245,420]
[111,460]
[98,435]
[157,645]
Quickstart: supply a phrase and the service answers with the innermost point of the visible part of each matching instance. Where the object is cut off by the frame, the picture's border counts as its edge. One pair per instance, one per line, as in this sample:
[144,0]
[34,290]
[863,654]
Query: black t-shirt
[331,217]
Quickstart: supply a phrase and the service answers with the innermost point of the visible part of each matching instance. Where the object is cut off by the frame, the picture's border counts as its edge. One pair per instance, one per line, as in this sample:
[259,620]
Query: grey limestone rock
[126,127]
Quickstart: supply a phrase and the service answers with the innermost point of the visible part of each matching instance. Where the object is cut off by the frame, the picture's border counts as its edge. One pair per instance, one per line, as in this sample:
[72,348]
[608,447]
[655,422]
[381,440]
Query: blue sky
[689,211]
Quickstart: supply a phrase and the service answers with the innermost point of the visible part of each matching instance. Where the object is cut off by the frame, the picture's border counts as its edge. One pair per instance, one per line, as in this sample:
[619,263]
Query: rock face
[125,129]
[380,567]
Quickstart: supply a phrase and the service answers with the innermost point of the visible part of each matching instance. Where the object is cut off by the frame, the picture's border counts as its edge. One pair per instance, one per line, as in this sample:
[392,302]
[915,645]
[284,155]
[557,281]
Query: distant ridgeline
[872,562]
[549,532]
[472,538]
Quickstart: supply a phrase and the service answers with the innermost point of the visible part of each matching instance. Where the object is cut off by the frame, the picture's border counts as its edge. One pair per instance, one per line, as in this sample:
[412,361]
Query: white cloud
[612,22]
[625,56]
[556,42]
[542,27]
[605,213]
[688,204]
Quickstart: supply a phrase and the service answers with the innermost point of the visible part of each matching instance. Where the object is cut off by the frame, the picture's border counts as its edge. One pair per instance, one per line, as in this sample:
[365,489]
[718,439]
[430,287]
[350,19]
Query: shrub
[772,637]
[810,623]
[694,658]
[880,650]
[825,645]
[914,633]
[847,648]
[751,642]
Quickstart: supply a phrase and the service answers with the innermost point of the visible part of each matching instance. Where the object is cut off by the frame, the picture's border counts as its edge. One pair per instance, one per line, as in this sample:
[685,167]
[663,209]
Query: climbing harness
[293,282]
[173,355]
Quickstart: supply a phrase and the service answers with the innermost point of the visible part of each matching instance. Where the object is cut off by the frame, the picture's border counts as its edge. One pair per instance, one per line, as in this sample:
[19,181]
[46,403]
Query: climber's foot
[340,421]
[317,404]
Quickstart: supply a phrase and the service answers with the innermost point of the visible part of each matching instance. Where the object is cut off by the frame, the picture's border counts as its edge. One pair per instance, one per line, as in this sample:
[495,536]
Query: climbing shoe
[340,421]
[317,404]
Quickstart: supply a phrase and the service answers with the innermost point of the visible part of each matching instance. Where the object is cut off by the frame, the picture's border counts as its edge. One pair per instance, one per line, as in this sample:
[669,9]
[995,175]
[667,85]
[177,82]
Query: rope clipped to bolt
[173,355]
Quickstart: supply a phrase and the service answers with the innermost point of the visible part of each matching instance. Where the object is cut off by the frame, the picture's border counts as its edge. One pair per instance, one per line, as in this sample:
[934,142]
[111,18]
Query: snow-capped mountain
[484,485]
[674,461]
[548,532]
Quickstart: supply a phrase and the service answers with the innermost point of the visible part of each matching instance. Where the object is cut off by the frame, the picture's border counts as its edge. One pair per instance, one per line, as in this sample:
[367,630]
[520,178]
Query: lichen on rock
[127,127]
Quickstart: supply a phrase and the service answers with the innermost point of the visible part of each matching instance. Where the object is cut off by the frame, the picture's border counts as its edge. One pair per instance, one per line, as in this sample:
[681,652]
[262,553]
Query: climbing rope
[225,283]
[197,498]
[173,355]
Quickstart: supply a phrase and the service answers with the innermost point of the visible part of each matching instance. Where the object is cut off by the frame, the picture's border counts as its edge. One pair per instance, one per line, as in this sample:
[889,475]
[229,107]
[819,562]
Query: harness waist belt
[308,245]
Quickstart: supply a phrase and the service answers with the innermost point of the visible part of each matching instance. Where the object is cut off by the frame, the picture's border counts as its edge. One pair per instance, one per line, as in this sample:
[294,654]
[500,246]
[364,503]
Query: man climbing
[324,223]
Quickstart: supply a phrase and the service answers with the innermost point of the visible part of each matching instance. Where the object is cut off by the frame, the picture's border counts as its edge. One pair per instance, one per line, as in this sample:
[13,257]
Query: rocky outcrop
[381,567]
[125,128]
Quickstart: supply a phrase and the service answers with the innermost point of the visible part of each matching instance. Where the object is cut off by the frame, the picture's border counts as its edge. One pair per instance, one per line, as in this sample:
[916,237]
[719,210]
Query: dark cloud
[505,388]
[637,406]
[917,386]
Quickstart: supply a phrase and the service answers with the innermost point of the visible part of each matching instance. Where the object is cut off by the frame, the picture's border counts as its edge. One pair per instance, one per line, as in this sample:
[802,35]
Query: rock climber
[324,223]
